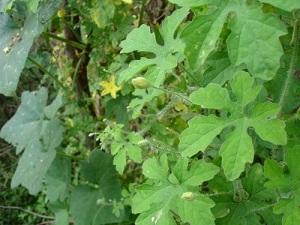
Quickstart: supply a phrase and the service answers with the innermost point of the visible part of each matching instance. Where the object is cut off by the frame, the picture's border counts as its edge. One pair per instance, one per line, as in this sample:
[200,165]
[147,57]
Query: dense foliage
[150,112]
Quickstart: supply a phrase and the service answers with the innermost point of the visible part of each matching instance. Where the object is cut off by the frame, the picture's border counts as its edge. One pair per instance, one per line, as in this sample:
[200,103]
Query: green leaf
[154,169]
[102,12]
[167,56]
[220,69]
[191,2]
[60,211]
[140,39]
[129,147]
[201,132]
[3,5]
[27,122]
[195,212]
[251,29]
[32,5]
[199,172]
[28,129]
[93,205]
[33,166]
[14,52]
[274,172]
[283,4]
[213,97]
[51,110]
[58,179]
[251,208]
[237,148]
[236,151]
[155,202]
[289,184]
[291,210]
[201,35]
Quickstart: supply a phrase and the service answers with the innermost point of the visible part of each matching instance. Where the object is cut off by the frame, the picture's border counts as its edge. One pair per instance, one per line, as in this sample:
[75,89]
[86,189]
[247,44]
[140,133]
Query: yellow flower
[61,13]
[110,87]
[127,1]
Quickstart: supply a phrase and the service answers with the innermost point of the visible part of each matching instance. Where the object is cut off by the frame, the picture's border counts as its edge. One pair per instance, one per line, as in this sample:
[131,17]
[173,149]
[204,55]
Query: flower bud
[141,83]
[188,196]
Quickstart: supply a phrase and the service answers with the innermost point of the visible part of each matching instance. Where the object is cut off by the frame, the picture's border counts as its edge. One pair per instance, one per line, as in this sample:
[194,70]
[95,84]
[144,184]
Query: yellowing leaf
[110,87]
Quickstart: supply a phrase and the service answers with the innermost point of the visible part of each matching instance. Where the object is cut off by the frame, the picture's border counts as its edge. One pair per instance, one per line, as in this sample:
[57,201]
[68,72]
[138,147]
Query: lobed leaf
[251,29]
[251,208]
[140,39]
[27,121]
[237,148]
[29,130]
[155,202]
[129,147]
[33,166]
[288,184]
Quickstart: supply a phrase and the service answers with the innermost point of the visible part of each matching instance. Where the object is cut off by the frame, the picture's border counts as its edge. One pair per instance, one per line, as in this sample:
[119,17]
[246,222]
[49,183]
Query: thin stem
[160,114]
[175,93]
[295,55]
[62,155]
[189,74]
[27,211]
[69,42]
[76,73]
[142,13]
[45,71]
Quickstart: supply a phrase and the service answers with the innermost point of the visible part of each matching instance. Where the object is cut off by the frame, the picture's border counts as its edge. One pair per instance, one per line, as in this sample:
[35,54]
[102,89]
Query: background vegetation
[149,112]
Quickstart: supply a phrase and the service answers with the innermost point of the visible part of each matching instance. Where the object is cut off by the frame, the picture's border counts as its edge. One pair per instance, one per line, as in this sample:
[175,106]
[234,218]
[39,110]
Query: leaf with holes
[237,149]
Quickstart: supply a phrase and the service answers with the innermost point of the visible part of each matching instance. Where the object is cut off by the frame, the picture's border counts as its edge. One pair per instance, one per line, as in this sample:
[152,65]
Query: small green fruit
[143,143]
[141,83]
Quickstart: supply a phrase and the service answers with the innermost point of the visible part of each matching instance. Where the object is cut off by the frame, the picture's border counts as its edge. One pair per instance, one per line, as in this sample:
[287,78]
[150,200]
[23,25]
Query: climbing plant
[155,112]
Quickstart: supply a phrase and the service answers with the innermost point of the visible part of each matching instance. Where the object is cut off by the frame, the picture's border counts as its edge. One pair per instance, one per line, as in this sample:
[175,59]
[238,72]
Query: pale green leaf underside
[27,122]
[237,148]
[58,179]
[33,166]
[28,129]
[287,5]
[13,61]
